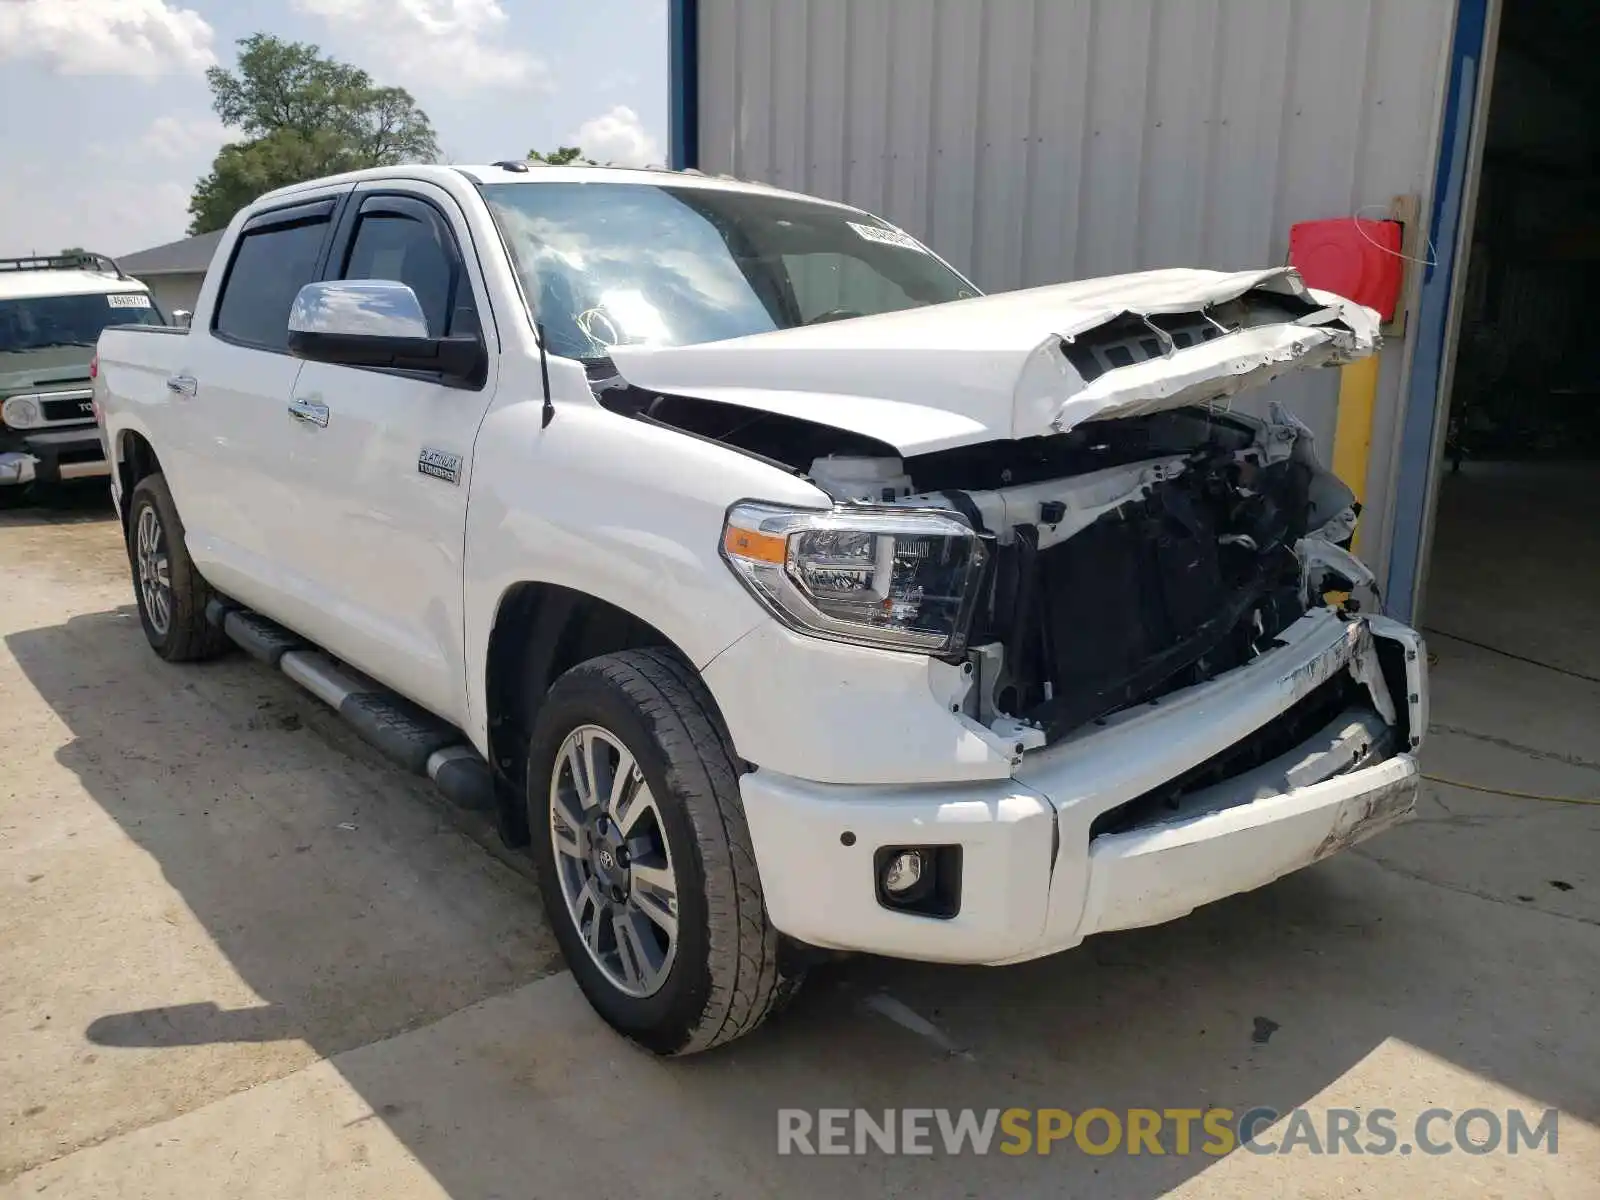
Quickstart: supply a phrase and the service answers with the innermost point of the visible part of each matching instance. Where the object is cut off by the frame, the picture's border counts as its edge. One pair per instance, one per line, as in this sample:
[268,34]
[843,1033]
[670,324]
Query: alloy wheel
[154,569]
[613,860]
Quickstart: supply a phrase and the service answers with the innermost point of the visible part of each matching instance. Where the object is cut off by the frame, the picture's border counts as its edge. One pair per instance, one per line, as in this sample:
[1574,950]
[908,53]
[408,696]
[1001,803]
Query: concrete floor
[1516,561]
[239,956]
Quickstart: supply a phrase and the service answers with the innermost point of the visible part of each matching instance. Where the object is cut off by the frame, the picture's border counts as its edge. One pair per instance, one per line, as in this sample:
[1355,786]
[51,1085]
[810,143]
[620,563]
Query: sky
[108,120]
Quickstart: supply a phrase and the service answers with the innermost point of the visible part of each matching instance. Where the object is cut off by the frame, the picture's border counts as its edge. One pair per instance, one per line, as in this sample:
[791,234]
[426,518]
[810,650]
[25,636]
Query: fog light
[923,881]
[903,873]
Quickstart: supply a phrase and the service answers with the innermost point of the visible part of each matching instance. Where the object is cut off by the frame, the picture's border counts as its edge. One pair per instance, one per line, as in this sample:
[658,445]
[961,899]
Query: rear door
[229,443]
[382,500]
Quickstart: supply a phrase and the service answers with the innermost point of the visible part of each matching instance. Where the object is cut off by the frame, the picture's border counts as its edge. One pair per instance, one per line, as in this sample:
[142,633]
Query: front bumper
[1040,872]
[53,455]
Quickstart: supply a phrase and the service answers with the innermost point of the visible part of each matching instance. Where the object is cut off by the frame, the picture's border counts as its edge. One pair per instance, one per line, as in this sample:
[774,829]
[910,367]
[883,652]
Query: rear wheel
[171,594]
[644,855]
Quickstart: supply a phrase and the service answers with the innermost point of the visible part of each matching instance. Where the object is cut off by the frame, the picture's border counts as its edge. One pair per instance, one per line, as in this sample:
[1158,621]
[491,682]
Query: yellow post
[1352,438]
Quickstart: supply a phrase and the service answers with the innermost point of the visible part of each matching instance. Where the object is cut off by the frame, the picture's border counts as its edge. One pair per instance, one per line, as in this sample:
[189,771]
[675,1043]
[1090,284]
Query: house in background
[174,272]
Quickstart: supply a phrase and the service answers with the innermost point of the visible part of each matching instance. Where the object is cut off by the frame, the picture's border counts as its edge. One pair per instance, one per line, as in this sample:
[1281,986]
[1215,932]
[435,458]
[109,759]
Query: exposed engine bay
[1179,546]
[1127,558]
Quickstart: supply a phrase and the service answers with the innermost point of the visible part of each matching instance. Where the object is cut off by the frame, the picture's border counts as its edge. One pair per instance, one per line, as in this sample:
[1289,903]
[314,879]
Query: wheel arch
[541,631]
[134,459]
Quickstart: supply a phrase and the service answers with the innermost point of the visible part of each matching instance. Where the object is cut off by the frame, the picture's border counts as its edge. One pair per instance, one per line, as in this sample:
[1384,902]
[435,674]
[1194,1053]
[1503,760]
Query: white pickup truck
[781,593]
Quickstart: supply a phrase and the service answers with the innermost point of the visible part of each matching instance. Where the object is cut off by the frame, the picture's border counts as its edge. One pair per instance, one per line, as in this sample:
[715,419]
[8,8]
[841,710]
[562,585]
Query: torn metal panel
[1234,363]
[1368,672]
[1328,568]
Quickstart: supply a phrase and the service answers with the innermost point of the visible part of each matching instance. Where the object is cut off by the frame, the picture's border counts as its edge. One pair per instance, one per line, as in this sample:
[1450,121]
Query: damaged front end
[1129,558]
[1089,530]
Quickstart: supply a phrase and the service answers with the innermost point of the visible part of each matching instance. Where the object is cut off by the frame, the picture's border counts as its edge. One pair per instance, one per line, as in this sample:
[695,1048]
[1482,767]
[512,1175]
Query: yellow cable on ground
[1478,787]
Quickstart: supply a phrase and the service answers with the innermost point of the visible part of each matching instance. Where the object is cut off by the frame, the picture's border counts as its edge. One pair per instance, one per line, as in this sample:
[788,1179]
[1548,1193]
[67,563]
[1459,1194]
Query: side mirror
[181,317]
[378,323]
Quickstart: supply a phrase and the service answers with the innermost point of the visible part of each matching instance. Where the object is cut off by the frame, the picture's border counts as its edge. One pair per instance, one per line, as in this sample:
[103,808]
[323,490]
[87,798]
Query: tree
[245,170]
[303,115]
[560,156]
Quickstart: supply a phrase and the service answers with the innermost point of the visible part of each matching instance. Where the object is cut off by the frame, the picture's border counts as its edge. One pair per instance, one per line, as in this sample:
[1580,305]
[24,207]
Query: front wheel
[644,856]
[171,594]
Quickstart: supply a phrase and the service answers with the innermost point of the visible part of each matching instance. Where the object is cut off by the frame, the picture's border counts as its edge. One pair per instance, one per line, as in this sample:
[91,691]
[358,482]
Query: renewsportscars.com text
[1161,1131]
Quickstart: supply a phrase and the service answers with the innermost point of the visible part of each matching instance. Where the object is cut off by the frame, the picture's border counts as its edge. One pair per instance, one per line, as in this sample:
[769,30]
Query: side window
[406,241]
[269,268]
[827,282]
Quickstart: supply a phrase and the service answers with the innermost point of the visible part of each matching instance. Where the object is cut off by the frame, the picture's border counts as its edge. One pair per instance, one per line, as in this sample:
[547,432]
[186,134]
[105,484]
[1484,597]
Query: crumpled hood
[998,367]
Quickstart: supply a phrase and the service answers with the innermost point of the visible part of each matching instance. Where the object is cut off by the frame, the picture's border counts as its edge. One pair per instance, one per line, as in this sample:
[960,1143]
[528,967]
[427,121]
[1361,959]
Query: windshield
[607,264]
[38,322]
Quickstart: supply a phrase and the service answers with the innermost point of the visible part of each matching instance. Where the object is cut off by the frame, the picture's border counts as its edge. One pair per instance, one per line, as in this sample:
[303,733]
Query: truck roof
[533,173]
[20,285]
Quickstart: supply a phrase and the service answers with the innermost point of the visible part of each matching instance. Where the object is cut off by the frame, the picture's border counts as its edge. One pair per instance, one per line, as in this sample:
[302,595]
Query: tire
[718,979]
[178,630]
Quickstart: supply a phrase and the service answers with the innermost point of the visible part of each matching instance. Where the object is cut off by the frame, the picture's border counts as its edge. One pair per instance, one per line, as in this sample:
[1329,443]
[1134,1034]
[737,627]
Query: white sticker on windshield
[888,237]
[128,300]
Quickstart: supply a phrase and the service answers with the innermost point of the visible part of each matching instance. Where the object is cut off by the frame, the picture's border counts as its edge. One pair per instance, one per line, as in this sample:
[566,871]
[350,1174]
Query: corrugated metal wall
[1033,141]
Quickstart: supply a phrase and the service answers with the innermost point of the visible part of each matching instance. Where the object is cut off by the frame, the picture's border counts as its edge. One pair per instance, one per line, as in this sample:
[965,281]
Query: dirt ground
[241,956]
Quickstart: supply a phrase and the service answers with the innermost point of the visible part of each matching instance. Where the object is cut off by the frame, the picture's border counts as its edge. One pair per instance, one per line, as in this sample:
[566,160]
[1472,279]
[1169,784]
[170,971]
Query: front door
[384,459]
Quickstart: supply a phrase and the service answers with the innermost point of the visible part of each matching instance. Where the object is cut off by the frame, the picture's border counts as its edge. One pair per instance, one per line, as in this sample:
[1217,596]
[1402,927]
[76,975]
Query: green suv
[51,313]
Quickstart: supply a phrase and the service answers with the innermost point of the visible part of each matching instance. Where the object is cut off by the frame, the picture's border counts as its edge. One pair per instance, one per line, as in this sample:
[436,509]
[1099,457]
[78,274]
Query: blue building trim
[1419,431]
[683,104]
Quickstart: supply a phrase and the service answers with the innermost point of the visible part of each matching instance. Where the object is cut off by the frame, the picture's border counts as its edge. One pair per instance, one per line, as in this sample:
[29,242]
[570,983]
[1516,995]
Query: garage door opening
[1516,553]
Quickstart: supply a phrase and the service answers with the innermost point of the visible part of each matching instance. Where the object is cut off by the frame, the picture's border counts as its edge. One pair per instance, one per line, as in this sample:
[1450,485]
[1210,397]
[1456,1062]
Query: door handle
[309,411]
[183,385]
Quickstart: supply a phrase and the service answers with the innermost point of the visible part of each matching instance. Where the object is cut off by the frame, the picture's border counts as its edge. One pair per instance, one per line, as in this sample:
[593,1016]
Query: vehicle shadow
[348,903]
[63,503]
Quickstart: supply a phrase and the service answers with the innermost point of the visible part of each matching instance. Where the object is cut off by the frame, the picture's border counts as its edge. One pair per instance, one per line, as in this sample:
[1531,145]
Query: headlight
[898,578]
[20,412]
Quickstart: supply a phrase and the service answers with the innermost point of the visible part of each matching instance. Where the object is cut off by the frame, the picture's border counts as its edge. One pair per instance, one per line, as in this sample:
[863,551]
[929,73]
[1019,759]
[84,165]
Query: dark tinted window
[269,269]
[42,322]
[422,255]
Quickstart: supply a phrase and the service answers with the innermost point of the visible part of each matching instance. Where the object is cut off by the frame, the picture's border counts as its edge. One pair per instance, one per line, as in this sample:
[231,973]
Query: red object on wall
[1351,257]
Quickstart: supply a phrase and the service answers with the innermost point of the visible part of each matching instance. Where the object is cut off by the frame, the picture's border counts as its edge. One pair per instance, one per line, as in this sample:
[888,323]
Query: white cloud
[454,45]
[617,137]
[45,210]
[178,147]
[144,38]
[183,138]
